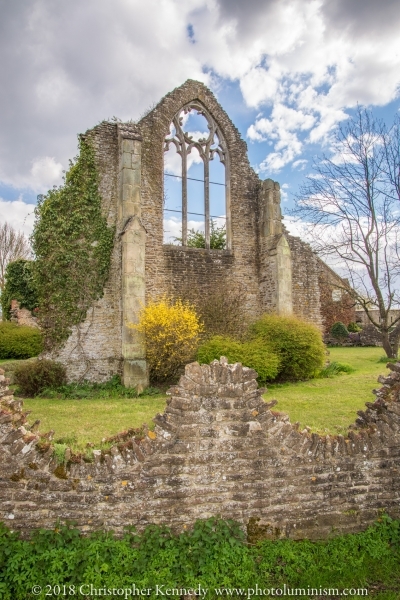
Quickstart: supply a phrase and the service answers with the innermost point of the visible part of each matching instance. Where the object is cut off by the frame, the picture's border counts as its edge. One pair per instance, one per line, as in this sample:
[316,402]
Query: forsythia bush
[172,331]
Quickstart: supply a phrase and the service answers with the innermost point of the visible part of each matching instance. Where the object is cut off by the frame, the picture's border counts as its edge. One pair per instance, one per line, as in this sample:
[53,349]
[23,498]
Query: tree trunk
[395,341]
[390,352]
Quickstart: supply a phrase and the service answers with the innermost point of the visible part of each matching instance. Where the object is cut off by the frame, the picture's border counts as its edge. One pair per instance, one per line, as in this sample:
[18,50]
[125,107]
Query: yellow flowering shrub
[171,331]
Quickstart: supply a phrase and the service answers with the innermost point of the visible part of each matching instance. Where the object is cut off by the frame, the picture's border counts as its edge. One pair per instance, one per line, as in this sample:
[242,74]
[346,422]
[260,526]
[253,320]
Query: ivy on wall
[20,285]
[72,244]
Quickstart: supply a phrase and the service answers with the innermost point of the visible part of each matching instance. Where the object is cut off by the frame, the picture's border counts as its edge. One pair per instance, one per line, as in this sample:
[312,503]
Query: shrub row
[278,348]
[283,348]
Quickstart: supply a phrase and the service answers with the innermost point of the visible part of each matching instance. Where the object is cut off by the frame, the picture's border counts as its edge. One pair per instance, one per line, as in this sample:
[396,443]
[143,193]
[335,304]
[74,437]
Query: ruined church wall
[218,449]
[305,284]
[93,350]
[334,309]
[174,269]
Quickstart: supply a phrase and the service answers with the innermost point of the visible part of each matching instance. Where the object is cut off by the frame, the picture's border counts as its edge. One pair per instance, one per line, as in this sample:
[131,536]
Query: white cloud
[282,125]
[300,164]
[173,160]
[19,214]
[173,228]
[275,161]
[284,194]
[45,172]
[318,67]
[70,65]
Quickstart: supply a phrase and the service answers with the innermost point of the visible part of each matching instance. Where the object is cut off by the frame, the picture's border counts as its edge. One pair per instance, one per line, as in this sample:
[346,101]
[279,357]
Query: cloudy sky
[286,71]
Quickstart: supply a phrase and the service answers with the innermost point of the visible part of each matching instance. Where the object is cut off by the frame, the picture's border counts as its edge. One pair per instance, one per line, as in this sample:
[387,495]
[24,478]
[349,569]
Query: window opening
[196,182]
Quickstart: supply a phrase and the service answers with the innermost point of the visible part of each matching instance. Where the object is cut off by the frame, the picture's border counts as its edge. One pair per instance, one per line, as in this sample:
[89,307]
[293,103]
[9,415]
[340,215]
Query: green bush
[354,327]
[19,341]
[298,345]
[255,354]
[197,239]
[33,378]
[339,331]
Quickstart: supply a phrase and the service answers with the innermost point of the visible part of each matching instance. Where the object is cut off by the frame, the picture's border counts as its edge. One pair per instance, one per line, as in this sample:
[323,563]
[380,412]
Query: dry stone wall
[217,449]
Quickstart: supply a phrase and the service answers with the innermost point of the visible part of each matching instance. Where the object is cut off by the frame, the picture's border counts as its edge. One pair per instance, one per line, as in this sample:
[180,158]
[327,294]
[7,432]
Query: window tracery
[194,147]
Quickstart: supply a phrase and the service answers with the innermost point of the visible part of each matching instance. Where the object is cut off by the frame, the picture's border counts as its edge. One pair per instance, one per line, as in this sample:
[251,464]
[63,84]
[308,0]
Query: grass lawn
[91,420]
[325,405]
[330,405]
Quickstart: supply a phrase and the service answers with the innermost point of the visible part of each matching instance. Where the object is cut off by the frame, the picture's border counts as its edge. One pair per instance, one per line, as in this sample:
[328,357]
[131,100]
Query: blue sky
[286,71]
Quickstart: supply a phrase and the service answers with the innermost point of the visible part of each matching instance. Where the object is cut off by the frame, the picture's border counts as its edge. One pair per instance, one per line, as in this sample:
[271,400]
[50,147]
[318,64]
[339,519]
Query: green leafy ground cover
[213,557]
[330,405]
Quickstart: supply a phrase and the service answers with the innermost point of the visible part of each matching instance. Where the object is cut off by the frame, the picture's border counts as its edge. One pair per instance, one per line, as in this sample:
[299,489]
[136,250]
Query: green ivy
[20,285]
[213,555]
[72,244]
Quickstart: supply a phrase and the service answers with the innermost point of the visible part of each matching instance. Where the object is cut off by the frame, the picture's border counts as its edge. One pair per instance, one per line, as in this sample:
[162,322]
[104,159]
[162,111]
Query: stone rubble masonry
[337,303]
[22,316]
[218,449]
[305,285]
[273,270]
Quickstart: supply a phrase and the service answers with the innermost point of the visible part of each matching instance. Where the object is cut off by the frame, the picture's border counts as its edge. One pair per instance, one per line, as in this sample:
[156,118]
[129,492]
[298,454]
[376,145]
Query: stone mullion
[184,194]
[207,200]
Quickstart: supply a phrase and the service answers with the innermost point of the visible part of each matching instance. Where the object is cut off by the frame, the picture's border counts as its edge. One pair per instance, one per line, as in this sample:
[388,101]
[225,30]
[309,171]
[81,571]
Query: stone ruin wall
[22,316]
[95,350]
[218,449]
[175,269]
[305,285]
[333,310]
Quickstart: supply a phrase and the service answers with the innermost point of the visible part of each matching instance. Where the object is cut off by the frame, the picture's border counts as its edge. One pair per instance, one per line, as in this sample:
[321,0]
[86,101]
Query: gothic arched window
[196,181]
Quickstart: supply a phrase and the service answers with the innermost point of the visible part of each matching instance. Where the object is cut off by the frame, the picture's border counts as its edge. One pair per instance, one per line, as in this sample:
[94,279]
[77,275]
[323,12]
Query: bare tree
[351,209]
[13,245]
